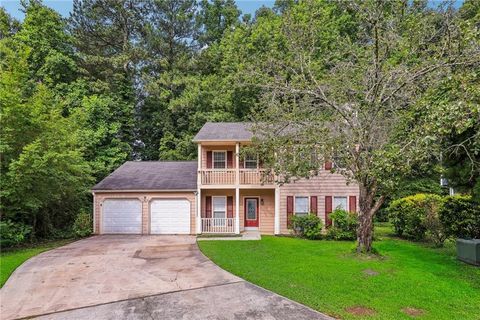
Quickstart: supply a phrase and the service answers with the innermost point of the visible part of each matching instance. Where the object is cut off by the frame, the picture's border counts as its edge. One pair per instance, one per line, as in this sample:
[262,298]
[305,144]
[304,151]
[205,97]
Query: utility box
[469,251]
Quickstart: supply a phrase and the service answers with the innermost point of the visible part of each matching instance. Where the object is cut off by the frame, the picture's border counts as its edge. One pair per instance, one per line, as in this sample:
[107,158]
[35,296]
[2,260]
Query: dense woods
[135,80]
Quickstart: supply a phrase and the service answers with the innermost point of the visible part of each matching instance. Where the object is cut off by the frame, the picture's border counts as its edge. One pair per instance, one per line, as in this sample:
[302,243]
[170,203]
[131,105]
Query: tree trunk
[365,232]
[369,205]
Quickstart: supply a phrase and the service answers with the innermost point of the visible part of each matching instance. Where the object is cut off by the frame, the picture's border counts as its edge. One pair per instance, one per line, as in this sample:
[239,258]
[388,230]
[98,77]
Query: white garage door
[170,217]
[122,216]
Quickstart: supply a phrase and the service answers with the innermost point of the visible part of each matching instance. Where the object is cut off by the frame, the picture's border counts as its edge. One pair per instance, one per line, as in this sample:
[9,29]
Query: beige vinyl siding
[325,184]
[145,198]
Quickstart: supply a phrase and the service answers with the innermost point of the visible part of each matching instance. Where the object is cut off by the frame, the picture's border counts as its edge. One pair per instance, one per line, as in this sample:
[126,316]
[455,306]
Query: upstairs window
[219,159]
[251,162]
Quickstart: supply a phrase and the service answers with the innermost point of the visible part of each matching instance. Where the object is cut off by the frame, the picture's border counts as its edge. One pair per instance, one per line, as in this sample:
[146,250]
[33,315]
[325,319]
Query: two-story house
[221,192]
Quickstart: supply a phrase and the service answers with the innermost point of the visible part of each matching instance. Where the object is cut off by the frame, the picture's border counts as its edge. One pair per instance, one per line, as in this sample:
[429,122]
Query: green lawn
[326,276]
[11,259]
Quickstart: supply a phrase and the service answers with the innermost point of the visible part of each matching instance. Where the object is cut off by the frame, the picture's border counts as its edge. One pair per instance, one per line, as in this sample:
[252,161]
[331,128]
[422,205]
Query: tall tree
[107,36]
[345,90]
[45,179]
[8,25]
[214,18]
[461,146]
[169,39]
[51,59]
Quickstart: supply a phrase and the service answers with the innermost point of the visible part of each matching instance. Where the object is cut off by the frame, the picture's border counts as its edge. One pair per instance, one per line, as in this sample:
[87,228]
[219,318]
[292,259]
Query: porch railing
[218,225]
[217,176]
[227,177]
[253,176]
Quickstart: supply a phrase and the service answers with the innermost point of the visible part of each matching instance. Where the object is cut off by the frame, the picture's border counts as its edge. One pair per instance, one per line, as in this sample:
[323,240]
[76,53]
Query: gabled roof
[152,175]
[224,131]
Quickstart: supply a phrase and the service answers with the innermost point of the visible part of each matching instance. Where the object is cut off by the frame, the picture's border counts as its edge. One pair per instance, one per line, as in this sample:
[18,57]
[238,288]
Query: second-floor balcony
[229,177]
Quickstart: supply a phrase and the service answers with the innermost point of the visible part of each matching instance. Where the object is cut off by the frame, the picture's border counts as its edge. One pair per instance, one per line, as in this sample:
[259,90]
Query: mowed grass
[328,277]
[12,258]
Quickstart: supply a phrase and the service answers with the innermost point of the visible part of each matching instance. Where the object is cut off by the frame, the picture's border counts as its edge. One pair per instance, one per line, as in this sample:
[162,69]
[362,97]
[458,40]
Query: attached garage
[122,216]
[147,197]
[170,216]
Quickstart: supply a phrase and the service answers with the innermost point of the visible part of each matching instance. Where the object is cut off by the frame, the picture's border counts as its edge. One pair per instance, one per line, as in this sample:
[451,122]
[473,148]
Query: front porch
[233,211]
[247,235]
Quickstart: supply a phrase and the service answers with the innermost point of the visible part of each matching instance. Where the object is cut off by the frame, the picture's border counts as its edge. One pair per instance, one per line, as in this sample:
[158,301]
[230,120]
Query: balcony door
[251,212]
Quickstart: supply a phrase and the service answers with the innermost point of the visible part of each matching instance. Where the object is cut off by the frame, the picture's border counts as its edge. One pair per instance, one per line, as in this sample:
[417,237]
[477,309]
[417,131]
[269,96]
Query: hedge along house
[219,193]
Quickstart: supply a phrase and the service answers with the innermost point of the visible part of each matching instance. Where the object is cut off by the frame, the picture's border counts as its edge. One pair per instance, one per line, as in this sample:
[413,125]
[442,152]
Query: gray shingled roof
[230,131]
[152,175]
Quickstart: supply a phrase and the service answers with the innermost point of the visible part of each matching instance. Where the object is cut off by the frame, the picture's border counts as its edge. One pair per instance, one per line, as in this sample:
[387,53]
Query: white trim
[237,164]
[277,211]
[198,221]
[237,210]
[199,164]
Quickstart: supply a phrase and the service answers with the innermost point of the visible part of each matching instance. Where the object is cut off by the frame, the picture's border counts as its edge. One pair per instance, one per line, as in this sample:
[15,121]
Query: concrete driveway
[137,277]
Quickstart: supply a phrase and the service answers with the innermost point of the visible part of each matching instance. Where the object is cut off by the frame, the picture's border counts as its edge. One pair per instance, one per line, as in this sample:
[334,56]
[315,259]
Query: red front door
[251,212]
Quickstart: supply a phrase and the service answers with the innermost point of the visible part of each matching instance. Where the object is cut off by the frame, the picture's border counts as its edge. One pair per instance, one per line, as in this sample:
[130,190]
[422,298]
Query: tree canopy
[381,88]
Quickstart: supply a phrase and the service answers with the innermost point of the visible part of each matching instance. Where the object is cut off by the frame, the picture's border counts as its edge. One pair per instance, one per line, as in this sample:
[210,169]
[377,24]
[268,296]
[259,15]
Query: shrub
[308,226]
[344,225]
[13,233]
[409,187]
[460,216]
[82,226]
[435,230]
[416,217]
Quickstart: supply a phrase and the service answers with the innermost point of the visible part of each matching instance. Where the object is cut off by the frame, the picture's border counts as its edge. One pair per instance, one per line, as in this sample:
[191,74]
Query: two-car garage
[167,216]
[147,198]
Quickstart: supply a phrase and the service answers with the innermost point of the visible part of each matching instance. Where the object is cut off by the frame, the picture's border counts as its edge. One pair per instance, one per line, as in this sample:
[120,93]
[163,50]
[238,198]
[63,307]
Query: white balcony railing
[255,176]
[227,177]
[218,176]
[218,225]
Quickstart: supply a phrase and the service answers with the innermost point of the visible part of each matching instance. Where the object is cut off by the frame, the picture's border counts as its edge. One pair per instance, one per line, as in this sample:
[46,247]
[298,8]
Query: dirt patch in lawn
[413,312]
[370,272]
[360,311]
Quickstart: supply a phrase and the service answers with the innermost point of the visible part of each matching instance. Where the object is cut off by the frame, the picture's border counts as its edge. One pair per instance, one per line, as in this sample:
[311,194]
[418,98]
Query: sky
[65,6]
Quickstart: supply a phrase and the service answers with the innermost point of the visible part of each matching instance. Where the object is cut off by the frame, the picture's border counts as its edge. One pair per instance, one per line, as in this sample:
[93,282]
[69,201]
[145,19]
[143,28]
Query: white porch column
[237,210]
[237,163]
[199,166]
[198,222]
[237,188]
[277,210]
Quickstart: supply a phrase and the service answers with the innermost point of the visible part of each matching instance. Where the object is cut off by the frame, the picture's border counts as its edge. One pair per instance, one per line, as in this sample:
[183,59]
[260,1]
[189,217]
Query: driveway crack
[148,308]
